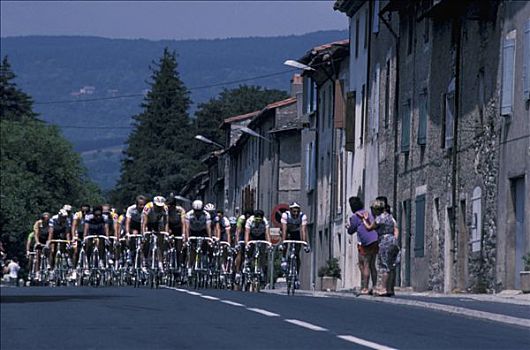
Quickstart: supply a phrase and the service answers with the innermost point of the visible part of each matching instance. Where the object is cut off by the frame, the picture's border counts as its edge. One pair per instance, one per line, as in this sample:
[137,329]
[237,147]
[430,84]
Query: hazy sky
[168,20]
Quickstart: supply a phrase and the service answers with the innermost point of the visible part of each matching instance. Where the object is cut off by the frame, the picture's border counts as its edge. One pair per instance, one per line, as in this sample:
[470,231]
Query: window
[423,117]
[357,37]
[340,105]
[426,30]
[350,121]
[310,101]
[476,219]
[405,127]
[449,114]
[419,240]
[508,65]
[376,17]
[387,92]
[526,62]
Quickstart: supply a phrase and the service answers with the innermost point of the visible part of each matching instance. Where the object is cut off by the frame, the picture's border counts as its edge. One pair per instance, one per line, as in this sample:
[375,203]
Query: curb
[455,310]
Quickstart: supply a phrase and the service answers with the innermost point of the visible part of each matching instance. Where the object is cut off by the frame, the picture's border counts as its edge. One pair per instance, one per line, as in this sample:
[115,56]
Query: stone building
[449,115]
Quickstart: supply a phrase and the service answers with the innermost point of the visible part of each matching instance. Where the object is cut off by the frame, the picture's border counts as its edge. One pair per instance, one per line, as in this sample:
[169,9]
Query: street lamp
[296,64]
[208,141]
[250,132]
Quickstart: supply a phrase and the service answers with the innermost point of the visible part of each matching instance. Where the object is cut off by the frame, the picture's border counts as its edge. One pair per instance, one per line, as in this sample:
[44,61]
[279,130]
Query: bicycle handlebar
[287,241]
[256,242]
[158,233]
[96,236]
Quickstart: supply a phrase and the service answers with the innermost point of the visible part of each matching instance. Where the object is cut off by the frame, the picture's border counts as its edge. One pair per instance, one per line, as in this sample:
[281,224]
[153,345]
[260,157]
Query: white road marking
[209,297]
[307,325]
[193,293]
[263,312]
[231,303]
[363,342]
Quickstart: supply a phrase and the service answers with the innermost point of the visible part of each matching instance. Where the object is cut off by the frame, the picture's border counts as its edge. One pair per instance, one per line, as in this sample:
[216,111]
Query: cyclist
[78,229]
[58,228]
[210,208]
[96,224]
[257,228]
[198,224]
[133,216]
[68,209]
[155,220]
[40,234]
[176,219]
[222,232]
[294,227]
[240,237]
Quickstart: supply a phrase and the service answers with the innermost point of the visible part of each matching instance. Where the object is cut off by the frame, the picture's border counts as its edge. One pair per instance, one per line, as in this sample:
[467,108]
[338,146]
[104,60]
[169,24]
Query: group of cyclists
[159,242]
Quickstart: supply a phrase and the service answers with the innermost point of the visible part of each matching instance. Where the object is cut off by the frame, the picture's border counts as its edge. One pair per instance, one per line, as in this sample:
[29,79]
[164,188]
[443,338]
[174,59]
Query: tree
[16,104]
[229,103]
[158,159]
[40,171]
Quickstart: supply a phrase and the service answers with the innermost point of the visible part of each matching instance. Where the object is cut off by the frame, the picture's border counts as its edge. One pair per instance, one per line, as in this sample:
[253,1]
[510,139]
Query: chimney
[296,85]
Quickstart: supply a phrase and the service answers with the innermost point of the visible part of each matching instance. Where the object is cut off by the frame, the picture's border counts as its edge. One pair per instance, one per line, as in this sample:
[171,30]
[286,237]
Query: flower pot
[328,284]
[525,281]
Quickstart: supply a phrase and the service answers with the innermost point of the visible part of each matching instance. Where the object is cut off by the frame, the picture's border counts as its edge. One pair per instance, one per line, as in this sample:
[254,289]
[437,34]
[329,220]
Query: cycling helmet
[45,214]
[67,207]
[197,205]
[232,220]
[63,213]
[259,213]
[294,205]
[159,201]
[209,207]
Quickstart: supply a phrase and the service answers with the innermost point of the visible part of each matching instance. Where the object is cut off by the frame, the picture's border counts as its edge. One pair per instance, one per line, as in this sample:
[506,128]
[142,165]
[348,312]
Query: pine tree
[241,100]
[15,104]
[158,158]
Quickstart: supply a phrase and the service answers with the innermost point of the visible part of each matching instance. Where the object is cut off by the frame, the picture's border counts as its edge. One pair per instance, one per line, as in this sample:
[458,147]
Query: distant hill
[63,68]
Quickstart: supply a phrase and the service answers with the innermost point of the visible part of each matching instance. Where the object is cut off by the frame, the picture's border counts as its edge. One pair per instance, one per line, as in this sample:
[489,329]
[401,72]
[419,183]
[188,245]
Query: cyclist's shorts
[295,236]
[175,230]
[135,226]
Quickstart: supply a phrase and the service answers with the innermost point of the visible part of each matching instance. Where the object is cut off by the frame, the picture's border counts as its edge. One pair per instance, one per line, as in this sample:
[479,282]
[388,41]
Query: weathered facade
[450,141]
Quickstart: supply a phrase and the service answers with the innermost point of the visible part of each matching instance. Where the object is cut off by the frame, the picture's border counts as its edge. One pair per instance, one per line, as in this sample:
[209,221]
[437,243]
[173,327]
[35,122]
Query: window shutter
[422,126]
[339,104]
[508,65]
[376,16]
[419,239]
[350,122]
[375,102]
[526,62]
[405,127]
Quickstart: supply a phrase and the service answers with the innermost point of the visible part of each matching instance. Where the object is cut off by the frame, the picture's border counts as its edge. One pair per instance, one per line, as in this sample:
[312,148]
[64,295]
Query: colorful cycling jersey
[293,224]
[224,223]
[96,225]
[79,217]
[176,216]
[31,240]
[60,229]
[112,218]
[156,217]
[198,222]
[121,224]
[134,214]
[241,221]
[42,230]
[257,228]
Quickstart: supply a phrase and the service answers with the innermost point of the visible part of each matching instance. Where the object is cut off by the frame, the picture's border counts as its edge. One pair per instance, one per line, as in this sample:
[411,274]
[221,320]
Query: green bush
[331,269]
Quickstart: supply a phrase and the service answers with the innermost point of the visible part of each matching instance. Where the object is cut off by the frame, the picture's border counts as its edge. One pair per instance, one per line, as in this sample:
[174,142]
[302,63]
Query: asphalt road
[128,318]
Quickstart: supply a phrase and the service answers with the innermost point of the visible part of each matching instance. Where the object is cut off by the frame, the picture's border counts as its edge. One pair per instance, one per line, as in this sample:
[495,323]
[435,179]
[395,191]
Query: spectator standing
[368,244]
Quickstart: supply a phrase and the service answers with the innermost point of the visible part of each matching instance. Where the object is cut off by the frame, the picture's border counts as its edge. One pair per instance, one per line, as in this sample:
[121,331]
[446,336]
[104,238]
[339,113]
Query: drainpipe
[454,150]
[396,112]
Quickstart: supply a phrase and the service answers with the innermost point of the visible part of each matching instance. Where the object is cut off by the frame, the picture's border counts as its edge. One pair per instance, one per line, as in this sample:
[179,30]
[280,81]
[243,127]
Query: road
[128,318]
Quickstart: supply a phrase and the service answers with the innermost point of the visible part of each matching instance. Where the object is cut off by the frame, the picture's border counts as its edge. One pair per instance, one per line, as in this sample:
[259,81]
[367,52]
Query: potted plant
[525,274]
[329,274]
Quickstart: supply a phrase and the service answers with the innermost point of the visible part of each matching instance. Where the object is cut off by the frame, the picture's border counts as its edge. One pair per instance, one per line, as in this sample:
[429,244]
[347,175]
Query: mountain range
[91,87]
